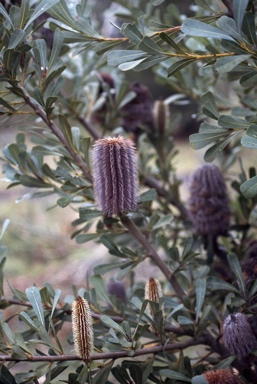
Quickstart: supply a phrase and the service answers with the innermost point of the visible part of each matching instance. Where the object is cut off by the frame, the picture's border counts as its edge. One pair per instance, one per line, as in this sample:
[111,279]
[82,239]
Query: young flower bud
[238,336]
[208,203]
[117,289]
[153,292]
[115,175]
[221,376]
[82,329]
[161,115]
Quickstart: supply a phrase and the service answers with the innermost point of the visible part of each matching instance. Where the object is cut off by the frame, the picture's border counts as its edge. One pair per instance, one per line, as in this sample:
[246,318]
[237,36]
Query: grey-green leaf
[174,375]
[194,27]
[214,284]
[200,290]
[239,8]
[249,188]
[34,298]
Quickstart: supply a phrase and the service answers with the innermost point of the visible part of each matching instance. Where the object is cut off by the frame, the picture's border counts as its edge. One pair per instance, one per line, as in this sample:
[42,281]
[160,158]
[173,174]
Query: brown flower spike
[221,376]
[82,329]
[153,292]
[115,175]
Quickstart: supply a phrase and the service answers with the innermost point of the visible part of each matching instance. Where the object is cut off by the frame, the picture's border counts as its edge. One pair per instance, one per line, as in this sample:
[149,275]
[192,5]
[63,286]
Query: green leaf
[200,140]
[56,298]
[200,379]
[214,151]
[4,227]
[42,49]
[57,46]
[183,320]
[6,105]
[214,284]
[25,317]
[149,195]
[231,122]
[32,182]
[104,268]
[165,220]
[249,79]
[200,290]
[178,65]
[236,268]
[249,27]
[194,27]
[174,375]
[85,237]
[223,364]
[226,64]
[136,373]
[16,37]
[228,25]
[249,142]
[112,324]
[209,103]
[99,286]
[118,57]
[112,247]
[132,32]
[5,375]
[171,42]
[130,65]
[5,14]
[103,374]
[66,129]
[34,298]
[42,7]
[239,8]
[249,188]
[149,46]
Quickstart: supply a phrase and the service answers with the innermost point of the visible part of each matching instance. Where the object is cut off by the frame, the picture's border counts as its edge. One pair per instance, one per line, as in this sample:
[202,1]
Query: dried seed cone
[82,329]
[208,203]
[221,376]
[115,175]
[161,115]
[238,336]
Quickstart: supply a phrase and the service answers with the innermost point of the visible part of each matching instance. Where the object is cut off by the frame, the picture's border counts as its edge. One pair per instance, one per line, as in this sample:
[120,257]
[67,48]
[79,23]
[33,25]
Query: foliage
[53,91]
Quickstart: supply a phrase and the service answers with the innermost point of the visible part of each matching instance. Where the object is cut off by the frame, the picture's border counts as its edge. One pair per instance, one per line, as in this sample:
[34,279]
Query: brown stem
[55,129]
[111,355]
[137,234]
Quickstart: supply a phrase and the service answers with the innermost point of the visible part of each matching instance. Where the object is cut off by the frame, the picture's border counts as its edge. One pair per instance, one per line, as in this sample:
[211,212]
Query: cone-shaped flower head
[208,203]
[221,376]
[115,175]
[82,328]
[238,336]
[117,289]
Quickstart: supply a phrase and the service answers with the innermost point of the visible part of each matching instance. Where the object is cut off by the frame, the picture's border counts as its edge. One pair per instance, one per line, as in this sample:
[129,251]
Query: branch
[153,183]
[137,234]
[55,129]
[111,355]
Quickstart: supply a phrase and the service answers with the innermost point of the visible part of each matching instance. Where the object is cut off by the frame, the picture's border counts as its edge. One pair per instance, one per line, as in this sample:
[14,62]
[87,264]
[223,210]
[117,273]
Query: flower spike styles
[115,175]
[221,376]
[82,329]
[208,203]
[238,335]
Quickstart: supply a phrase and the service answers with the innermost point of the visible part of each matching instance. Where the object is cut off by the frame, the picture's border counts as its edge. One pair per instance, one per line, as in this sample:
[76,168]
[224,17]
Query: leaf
[231,122]
[149,46]
[55,301]
[214,284]
[194,27]
[209,103]
[178,65]
[214,151]
[249,188]
[166,220]
[104,268]
[42,7]
[226,64]
[112,247]
[200,379]
[174,375]
[249,142]
[200,290]
[57,46]
[6,105]
[4,227]
[99,286]
[112,324]
[66,129]
[223,364]
[171,42]
[118,57]
[131,32]
[5,375]
[5,14]
[136,373]
[16,37]
[34,298]
[239,8]
[236,268]
[130,65]
[25,317]
[42,49]
[32,182]
[200,140]
[149,195]
[249,27]
[229,26]
[103,374]
[183,320]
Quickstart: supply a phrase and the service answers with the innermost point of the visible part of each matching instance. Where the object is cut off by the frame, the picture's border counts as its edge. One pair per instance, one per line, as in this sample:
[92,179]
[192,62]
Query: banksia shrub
[208,203]
[115,175]
[82,329]
[221,376]
[238,335]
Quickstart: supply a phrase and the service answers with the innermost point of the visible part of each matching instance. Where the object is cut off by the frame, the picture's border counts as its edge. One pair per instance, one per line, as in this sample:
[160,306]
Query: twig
[137,234]
[153,183]
[55,129]
[111,355]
